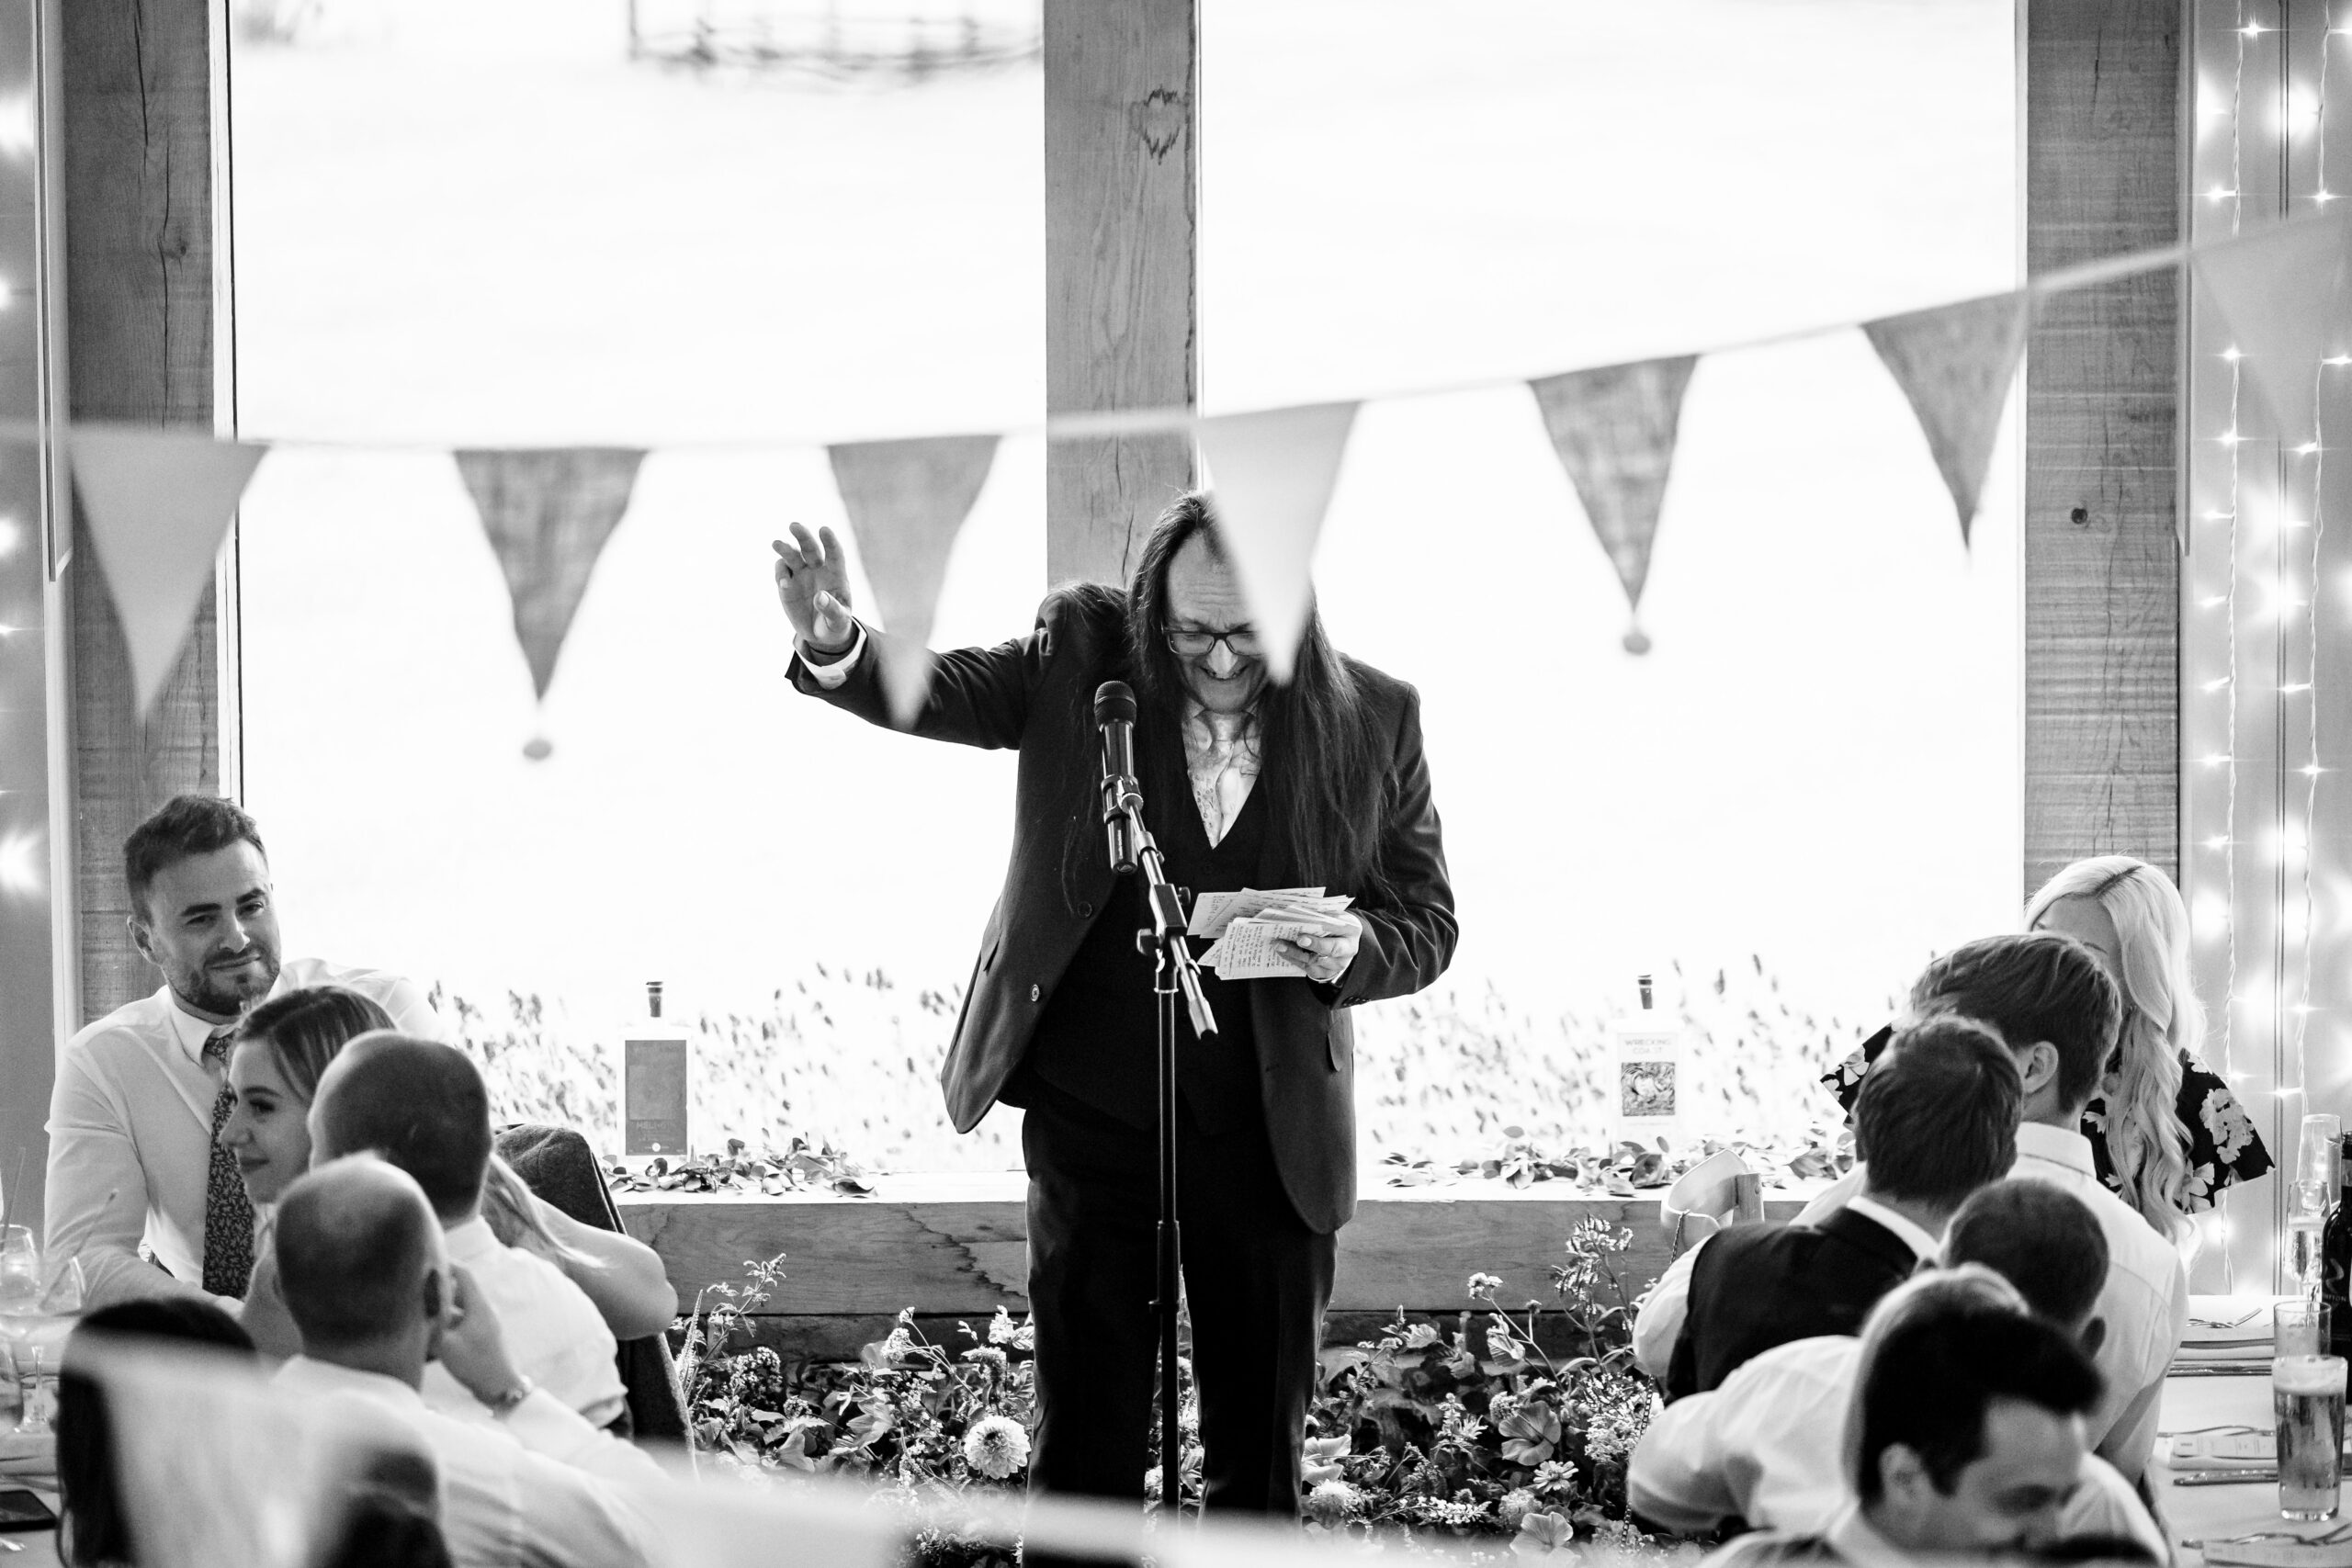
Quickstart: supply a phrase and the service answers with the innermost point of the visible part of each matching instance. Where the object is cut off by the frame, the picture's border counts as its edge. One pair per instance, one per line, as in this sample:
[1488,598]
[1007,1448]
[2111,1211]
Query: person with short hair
[2166,1130]
[360,1254]
[1966,1434]
[282,1050]
[422,1106]
[1938,1121]
[1764,1447]
[2060,1012]
[142,1095]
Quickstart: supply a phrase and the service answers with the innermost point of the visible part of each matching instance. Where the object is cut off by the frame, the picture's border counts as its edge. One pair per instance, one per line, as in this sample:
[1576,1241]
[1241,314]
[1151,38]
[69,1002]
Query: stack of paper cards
[1246,925]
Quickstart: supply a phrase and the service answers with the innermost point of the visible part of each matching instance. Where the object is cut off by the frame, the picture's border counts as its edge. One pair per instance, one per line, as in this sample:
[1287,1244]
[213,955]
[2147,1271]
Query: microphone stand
[1174,971]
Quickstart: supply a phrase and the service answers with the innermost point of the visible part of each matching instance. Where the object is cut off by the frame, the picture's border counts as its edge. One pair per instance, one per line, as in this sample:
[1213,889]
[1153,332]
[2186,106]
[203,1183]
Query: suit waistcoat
[1754,1287]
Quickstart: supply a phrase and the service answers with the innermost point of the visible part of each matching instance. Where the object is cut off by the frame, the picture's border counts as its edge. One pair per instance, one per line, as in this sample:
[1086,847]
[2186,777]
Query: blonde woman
[2167,1132]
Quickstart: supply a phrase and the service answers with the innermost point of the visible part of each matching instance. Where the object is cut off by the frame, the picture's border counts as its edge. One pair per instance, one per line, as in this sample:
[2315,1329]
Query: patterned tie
[228,1212]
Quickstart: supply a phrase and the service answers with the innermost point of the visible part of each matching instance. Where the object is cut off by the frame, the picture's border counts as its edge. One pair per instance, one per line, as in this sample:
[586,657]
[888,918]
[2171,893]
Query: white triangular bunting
[2284,296]
[1273,473]
[548,513]
[1955,364]
[907,500]
[1614,431]
[158,503]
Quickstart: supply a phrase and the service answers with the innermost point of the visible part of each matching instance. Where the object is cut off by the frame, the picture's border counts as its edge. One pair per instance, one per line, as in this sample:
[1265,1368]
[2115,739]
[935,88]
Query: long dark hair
[1318,749]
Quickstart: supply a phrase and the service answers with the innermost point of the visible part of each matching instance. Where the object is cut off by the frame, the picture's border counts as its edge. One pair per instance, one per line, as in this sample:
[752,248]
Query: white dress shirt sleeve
[1835,1196]
[1658,1323]
[412,1011]
[1677,1474]
[831,676]
[97,1202]
[2130,1438]
[548,1426]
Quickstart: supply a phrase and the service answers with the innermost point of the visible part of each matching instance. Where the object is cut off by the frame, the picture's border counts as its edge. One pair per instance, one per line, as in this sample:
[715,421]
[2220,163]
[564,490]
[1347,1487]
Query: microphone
[1114,718]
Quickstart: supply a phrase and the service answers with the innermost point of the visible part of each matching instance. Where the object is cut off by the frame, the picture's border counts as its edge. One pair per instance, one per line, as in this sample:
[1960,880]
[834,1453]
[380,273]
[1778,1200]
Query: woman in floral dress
[2165,1131]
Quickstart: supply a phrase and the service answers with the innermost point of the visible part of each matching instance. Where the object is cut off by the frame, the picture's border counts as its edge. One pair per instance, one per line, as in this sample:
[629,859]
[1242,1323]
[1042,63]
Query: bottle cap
[653,998]
[1646,995]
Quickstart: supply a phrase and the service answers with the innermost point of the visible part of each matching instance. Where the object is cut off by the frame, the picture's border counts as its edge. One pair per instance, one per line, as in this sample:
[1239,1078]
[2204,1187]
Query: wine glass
[33,1323]
[20,1293]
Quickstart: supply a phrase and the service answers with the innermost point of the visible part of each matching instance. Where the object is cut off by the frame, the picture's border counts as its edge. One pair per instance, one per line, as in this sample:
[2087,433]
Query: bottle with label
[654,1084]
[1645,1074]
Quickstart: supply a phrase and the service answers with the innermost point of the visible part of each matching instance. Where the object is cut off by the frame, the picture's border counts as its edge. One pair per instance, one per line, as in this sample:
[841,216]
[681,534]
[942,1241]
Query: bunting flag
[1955,364]
[1273,473]
[2285,294]
[907,500]
[1614,429]
[548,513]
[159,503]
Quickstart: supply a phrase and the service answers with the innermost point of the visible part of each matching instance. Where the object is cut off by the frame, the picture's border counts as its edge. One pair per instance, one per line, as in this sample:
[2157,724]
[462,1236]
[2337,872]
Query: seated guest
[1939,1120]
[2051,998]
[2167,1132]
[1765,1449]
[282,1049]
[93,1528]
[422,1106]
[1966,1437]
[360,1256]
[390,1511]
[135,1119]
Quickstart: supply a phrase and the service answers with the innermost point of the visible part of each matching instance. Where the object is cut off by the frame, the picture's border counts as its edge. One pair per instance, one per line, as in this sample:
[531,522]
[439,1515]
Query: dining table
[2197,1515]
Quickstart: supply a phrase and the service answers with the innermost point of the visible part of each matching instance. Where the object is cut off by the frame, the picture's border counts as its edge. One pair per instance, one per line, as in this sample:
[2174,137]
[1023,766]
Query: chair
[557,1164]
[1717,1193]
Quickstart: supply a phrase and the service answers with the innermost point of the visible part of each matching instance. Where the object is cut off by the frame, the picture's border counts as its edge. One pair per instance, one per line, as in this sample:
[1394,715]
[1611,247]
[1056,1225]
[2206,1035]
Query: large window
[487,225]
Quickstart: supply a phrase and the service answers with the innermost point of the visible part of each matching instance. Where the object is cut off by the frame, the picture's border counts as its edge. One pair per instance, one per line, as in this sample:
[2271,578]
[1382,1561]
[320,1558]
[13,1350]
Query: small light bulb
[2219,516]
[2233,353]
[2252,30]
[2291,688]
[2212,601]
[2310,770]
[2213,757]
[2305,450]
[2216,684]
[2220,193]
[2229,438]
[2323,196]
[2339,360]
[2218,842]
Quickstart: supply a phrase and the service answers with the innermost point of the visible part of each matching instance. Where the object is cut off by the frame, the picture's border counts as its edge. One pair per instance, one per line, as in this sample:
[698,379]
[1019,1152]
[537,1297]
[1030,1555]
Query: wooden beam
[1122,316]
[958,1245]
[2103,116]
[138,133]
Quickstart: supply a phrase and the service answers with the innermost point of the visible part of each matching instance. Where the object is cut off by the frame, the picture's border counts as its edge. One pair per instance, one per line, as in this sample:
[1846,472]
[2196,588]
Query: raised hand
[812,581]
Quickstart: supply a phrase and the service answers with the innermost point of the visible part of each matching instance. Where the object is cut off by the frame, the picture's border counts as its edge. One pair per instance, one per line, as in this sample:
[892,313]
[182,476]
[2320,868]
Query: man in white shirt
[2048,996]
[423,1106]
[1965,1436]
[1942,1126]
[133,1151]
[1766,1446]
[359,1257]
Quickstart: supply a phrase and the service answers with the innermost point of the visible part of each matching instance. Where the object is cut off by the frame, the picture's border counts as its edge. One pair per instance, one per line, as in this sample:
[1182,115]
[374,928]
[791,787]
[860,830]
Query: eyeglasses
[1241,641]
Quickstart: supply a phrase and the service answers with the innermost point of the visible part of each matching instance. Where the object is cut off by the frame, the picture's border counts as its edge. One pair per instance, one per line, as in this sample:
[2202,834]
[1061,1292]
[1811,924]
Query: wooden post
[2103,127]
[139,306]
[1121,319]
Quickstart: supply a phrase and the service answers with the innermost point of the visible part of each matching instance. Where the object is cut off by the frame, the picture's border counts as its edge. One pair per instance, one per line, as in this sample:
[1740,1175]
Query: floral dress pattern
[2224,1147]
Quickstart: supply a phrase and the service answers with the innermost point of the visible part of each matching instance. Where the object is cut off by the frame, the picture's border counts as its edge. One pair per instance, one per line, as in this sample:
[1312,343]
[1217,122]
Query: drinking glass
[2312,1194]
[20,1293]
[2307,1403]
[2298,1328]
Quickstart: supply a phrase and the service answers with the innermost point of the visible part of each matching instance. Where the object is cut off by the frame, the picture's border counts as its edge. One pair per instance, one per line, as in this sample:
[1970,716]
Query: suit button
[1035,992]
[1085,910]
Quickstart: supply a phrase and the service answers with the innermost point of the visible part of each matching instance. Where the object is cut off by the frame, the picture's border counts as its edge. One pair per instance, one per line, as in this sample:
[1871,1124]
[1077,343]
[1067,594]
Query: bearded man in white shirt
[360,1256]
[141,1094]
[1766,1446]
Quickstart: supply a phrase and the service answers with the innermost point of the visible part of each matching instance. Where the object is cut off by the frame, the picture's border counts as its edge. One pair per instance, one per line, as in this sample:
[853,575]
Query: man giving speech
[1246,784]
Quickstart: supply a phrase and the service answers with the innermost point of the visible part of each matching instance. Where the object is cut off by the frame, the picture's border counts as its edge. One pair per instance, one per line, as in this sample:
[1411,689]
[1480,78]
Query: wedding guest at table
[1766,1446]
[141,1094]
[360,1255]
[282,1049]
[2054,1002]
[1936,1122]
[423,1106]
[2165,1131]
[94,1528]
[1965,1436]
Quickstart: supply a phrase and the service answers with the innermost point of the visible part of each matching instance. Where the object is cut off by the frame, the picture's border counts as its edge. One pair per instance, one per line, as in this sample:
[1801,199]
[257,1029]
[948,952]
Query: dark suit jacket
[1036,694]
[1753,1287]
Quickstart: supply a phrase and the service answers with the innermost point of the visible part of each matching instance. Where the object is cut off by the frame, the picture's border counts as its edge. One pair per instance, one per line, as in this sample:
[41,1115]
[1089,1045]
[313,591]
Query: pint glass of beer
[2306,1398]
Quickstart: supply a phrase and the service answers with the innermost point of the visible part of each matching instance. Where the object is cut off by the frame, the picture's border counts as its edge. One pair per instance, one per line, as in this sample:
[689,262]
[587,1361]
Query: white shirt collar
[188,1030]
[2059,1145]
[1854,1539]
[471,1240]
[1923,1243]
[305,1373]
